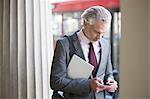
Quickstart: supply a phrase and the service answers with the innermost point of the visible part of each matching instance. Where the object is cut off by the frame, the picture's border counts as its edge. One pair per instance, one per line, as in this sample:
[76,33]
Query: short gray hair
[95,13]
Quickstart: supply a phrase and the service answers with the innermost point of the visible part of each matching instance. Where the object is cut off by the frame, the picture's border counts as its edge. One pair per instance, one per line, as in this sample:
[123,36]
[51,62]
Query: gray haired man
[88,44]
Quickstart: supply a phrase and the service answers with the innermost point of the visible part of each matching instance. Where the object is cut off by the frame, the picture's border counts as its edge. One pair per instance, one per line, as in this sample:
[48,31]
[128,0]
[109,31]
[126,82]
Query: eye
[97,32]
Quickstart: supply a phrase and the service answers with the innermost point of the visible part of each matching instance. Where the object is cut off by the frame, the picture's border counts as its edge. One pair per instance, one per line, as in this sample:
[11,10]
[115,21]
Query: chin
[97,38]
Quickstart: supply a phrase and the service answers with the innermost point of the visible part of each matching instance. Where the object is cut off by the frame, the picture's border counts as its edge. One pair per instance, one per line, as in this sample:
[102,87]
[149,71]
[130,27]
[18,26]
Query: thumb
[99,80]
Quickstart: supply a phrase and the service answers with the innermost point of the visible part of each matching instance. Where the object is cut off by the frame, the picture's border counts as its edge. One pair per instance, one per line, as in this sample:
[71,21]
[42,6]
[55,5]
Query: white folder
[79,68]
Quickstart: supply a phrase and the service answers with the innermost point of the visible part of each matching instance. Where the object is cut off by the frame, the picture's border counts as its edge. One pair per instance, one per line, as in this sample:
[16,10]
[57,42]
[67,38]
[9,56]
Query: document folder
[79,68]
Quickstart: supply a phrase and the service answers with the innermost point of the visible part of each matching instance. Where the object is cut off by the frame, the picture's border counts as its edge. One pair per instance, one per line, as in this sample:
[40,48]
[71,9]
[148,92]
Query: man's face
[95,31]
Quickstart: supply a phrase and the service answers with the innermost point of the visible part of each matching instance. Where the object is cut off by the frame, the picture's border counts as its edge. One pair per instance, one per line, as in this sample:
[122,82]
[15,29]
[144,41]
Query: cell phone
[108,84]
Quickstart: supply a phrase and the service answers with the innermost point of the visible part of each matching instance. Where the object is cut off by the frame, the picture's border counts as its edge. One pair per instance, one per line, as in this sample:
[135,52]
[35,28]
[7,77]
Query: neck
[85,33]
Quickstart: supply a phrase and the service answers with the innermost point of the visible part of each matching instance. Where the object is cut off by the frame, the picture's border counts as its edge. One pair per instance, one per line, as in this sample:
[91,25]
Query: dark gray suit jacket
[76,88]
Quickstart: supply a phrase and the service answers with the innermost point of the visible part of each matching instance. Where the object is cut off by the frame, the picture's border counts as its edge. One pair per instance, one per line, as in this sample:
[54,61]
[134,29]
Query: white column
[25,49]
[45,76]
[13,50]
[5,50]
[37,50]
[49,40]
[149,44]
[1,22]
[30,50]
[22,69]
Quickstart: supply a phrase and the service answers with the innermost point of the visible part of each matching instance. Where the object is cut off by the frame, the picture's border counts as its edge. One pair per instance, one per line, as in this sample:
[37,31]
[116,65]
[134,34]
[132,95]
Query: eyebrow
[98,31]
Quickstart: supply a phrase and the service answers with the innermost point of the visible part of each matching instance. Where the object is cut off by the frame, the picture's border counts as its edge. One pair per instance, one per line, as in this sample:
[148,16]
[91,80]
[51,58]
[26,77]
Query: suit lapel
[100,69]
[77,45]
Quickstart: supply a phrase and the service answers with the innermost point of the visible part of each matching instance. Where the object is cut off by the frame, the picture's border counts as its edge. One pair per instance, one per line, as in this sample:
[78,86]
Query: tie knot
[90,44]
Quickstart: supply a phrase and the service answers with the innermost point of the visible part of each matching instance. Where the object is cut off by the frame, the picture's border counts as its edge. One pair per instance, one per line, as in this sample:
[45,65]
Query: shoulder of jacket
[68,38]
[63,40]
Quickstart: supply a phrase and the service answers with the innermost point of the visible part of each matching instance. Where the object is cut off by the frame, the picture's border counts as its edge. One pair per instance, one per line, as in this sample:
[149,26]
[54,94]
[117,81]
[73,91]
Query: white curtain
[26,49]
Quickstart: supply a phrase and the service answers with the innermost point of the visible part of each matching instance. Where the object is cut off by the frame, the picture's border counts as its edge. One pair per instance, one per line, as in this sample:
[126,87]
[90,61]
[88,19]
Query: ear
[85,23]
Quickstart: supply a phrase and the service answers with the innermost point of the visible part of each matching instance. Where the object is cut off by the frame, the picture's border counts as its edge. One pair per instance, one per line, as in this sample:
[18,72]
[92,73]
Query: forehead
[99,25]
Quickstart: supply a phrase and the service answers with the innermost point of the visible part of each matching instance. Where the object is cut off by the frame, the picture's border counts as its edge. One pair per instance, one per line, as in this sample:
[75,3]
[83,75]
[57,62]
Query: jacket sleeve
[59,80]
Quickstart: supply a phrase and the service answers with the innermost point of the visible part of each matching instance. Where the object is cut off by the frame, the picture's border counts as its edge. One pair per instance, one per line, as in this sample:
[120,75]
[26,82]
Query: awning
[80,5]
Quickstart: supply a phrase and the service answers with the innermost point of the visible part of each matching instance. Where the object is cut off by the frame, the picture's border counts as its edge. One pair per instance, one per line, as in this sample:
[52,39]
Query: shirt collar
[84,39]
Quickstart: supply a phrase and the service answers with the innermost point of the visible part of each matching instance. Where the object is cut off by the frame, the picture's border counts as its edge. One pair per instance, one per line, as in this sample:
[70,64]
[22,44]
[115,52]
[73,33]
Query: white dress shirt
[84,41]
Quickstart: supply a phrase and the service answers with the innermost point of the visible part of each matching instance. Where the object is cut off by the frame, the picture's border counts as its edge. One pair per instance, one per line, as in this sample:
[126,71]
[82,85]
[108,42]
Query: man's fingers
[99,80]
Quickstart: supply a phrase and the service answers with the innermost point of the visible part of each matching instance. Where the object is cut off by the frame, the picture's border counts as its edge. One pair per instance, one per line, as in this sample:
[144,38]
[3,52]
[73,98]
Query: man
[88,44]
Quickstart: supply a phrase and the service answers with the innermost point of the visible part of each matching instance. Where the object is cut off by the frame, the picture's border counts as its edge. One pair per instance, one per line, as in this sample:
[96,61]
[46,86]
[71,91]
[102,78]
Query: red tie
[92,58]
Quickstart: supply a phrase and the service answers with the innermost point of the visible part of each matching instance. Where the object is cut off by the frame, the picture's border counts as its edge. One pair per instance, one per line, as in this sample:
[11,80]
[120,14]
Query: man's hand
[111,85]
[97,84]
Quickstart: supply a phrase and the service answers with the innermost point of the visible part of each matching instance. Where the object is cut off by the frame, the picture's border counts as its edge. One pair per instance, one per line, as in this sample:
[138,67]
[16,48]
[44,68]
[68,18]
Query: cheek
[94,35]
[97,34]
